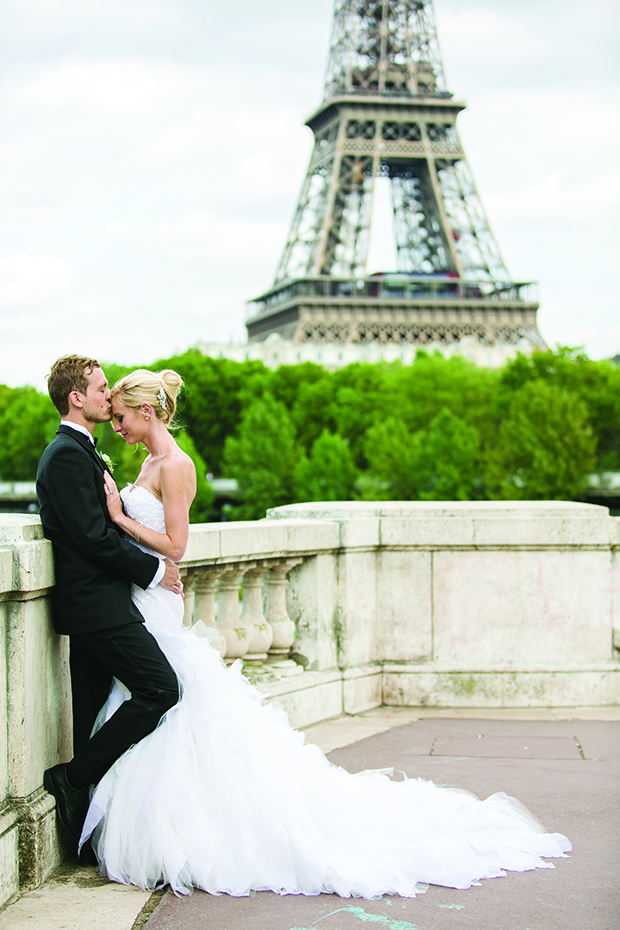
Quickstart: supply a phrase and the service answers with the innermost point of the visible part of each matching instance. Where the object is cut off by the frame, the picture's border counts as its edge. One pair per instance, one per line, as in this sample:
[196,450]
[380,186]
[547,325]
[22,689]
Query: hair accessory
[136,532]
[163,400]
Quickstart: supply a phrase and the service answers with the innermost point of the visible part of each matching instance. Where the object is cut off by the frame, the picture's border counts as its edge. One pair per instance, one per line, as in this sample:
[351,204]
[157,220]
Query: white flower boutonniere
[108,461]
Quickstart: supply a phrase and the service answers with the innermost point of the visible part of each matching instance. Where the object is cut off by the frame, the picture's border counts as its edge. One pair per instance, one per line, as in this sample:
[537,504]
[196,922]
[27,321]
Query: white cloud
[559,196]
[119,230]
[549,122]
[121,87]
[227,240]
[498,37]
[27,280]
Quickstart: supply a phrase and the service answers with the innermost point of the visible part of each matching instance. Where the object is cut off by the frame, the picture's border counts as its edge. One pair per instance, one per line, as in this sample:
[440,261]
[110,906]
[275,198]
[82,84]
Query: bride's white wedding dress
[225,796]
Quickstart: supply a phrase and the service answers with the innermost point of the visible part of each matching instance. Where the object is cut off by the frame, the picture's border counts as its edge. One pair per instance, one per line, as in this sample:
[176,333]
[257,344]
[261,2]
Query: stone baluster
[253,618]
[189,576]
[284,631]
[228,621]
[204,607]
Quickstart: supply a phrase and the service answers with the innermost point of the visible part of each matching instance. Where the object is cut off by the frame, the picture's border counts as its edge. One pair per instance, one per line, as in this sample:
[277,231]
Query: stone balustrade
[336,608]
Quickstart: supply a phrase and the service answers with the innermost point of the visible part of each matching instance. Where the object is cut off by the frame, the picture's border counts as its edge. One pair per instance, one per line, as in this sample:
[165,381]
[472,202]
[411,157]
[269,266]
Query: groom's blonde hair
[157,388]
[69,373]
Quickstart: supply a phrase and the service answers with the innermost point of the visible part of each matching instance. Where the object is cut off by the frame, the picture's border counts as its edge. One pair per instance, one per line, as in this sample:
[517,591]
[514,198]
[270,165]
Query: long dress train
[225,796]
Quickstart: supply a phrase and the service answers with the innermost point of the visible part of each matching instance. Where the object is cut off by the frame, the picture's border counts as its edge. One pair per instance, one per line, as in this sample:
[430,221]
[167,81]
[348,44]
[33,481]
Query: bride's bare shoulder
[177,461]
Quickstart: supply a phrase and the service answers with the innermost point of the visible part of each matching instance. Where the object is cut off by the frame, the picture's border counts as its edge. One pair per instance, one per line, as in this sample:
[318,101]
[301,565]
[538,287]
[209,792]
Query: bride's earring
[146,416]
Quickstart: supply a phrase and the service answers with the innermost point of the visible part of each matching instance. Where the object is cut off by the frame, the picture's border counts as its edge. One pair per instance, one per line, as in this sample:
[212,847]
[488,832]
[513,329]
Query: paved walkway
[563,764]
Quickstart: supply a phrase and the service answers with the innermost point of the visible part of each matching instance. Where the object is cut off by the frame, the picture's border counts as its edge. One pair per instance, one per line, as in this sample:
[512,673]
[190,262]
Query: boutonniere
[108,461]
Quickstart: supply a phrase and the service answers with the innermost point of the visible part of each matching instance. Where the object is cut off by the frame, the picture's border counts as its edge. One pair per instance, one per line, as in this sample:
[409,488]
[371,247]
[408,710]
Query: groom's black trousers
[131,654]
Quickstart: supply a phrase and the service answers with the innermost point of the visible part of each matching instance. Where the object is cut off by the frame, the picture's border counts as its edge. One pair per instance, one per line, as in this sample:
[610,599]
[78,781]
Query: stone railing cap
[20,527]
[424,510]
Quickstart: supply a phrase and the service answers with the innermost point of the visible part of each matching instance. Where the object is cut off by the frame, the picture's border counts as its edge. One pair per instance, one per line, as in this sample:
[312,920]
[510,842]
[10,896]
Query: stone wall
[488,604]
[35,715]
[468,604]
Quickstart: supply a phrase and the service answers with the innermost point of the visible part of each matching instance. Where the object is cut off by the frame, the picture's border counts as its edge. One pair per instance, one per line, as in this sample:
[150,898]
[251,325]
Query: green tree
[287,380]
[363,395]
[446,461]
[596,384]
[262,457]
[314,409]
[439,463]
[434,383]
[390,450]
[328,474]
[28,423]
[546,446]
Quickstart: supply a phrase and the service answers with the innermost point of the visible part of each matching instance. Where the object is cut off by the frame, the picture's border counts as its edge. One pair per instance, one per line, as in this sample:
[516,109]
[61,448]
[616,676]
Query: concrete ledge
[41,847]
[307,697]
[30,846]
[31,553]
[245,540]
[432,686]
[314,696]
[513,524]
[362,689]
[9,854]
[6,571]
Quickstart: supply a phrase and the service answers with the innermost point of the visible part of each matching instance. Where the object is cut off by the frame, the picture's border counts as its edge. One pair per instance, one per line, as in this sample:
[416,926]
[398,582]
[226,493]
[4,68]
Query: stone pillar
[284,631]
[253,618]
[35,706]
[204,606]
[189,577]
[229,622]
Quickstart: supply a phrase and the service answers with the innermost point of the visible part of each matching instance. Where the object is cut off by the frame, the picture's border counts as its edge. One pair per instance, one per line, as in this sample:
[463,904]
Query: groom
[95,566]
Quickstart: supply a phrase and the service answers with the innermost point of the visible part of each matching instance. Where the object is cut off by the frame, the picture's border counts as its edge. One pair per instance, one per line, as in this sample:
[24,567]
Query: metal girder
[384,46]
[385,52]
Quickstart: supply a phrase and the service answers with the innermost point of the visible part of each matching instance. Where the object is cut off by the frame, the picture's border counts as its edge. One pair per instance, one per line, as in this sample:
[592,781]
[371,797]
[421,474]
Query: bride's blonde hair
[157,388]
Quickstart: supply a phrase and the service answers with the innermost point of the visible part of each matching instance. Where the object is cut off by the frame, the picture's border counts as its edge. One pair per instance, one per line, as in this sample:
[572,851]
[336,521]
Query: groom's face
[97,400]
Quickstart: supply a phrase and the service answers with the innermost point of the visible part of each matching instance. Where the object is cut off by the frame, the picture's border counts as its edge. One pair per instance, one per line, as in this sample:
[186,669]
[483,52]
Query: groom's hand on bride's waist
[172,578]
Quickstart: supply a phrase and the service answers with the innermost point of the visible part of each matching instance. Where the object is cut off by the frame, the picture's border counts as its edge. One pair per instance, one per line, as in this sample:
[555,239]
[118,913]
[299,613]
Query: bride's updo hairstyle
[157,388]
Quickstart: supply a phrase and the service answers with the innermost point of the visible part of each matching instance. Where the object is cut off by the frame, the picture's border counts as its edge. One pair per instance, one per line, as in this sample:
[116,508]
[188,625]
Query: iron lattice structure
[387,112]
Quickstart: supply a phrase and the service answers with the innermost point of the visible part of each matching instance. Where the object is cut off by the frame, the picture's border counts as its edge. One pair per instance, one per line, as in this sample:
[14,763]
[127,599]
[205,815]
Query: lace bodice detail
[142,505]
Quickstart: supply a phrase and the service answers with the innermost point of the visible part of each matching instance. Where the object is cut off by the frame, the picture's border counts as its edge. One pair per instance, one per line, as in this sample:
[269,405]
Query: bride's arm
[177,484]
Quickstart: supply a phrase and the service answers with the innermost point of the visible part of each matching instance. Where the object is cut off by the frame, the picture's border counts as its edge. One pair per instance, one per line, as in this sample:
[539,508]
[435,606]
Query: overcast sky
[152,152]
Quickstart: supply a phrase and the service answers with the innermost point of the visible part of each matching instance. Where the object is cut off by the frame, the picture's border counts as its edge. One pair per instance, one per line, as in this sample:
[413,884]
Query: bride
[224,795]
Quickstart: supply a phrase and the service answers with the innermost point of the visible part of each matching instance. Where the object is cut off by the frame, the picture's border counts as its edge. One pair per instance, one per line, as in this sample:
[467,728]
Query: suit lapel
[84,441]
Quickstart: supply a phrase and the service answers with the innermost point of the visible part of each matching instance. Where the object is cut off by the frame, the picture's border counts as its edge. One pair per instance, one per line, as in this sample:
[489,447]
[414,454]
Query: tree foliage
[28,423]
[434,430]
[546,446]
[596,384]
[328,474]
[434,464]
[262,457]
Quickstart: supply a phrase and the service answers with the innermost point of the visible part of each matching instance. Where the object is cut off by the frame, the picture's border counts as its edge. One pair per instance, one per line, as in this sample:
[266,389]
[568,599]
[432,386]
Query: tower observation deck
[387,113]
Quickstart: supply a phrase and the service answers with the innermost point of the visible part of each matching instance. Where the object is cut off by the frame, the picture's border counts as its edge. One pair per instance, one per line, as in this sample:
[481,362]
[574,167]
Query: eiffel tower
[387,113]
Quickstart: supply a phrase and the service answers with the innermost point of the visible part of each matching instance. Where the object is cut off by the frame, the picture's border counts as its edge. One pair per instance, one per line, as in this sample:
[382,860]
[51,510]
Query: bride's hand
[112,497]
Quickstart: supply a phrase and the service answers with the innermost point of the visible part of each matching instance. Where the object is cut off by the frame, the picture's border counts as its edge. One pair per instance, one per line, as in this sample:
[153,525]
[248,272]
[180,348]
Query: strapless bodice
[142,505]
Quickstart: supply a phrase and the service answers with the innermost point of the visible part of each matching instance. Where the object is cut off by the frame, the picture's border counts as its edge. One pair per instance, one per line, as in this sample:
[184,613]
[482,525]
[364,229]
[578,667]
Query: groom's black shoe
[71,804]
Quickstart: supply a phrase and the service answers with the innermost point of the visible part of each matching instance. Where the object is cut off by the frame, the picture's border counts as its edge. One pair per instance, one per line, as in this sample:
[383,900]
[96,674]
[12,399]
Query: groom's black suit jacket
[94,563]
